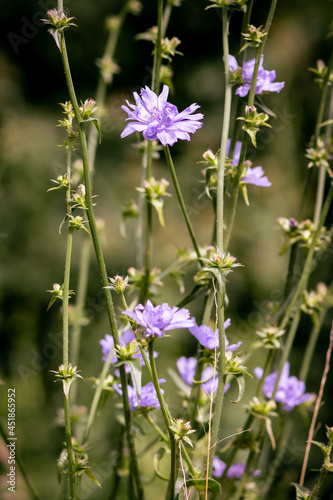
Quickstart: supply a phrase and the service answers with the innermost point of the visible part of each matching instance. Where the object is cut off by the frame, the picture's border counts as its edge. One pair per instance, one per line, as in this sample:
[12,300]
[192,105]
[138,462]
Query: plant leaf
[241,387]
[91,476]
[200,484]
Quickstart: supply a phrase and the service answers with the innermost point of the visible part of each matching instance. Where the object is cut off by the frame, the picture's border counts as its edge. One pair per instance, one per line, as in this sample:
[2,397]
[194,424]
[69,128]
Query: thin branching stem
[101,263]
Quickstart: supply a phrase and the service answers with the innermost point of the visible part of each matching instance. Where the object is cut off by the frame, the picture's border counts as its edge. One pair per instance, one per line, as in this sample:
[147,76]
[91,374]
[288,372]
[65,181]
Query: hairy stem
[101,263]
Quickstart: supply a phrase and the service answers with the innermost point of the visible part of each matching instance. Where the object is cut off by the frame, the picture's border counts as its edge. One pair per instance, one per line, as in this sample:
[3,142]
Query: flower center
[162,118]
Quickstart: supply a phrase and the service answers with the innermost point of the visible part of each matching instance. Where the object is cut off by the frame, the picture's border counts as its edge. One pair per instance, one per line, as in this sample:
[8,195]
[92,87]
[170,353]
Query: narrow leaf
[200,485]
[241,387]
[91,476]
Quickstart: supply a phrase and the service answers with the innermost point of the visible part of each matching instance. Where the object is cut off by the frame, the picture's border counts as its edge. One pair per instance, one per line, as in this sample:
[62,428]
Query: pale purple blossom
[235,471]
[187,368]
[256,176]
[210,339]
[156,320]
[149,397]
[265,80]
[209,377]
[160,120]
[290,391]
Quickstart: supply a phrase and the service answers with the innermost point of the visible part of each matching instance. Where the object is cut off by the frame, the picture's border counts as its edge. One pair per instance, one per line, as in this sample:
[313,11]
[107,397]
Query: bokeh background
[32,250]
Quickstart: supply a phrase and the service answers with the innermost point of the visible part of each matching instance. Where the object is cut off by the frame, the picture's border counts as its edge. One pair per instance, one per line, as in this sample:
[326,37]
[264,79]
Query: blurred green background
[32,250]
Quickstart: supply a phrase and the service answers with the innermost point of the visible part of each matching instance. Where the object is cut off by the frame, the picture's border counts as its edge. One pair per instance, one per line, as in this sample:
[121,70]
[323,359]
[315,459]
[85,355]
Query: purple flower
[257,177]
[187,368]
[290,391]
[149,397]
[158,119]
[157,320]
[235,471]
[210,339]
[218,467]
[254,175]
[265,80]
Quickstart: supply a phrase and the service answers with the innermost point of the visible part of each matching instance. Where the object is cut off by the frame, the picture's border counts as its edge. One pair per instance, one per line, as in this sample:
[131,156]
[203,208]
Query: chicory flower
[255,175]
[265,80]
[187,368]
[290,391]
[210,339]
[159,319]
[160,120]
[149,397]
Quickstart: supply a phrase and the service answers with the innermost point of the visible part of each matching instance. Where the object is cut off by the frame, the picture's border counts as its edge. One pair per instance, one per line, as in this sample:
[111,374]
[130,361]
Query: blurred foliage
[31,248]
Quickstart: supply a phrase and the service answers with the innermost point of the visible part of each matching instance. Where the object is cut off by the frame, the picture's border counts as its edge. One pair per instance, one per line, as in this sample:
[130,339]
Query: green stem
[158,49]
[181,200]
[310,347]
[167,419]
[101,263]
[68,433]
[251,417]
[219,244]
[322,476]
[65,323]
[322,170]
[102,85]
[215,426]
[157,429]
[232,208]
[225,133]
[287,348]
[308,262]
[81,295]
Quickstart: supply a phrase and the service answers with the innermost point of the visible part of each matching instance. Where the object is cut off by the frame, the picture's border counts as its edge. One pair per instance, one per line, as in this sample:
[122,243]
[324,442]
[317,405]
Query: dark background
[32,84]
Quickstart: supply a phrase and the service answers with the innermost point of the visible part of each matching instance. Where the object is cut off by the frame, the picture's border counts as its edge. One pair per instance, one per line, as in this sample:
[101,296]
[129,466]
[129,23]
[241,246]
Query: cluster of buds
[138,279]
[154,191]
[67,374]
[254,36]
[264,410]
[321,72]
[269,337]
[87,108]
[181,430]
[80,462]
[253,122]
[79,197]
[169,48]
[77,223]
[57,293]
[118,284]
[230,4]
[59,21]
[107,67]
[302,232]
[127,351]
[234,364]
[319,156]
[315,300]
[62,182]
[216,263]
